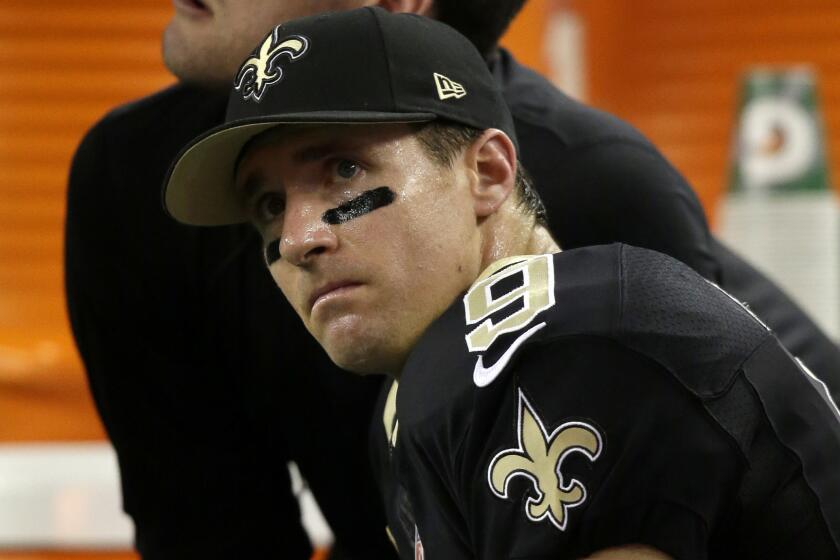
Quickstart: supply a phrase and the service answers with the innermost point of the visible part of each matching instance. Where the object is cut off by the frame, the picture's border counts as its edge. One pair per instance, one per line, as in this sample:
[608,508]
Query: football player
[603,402]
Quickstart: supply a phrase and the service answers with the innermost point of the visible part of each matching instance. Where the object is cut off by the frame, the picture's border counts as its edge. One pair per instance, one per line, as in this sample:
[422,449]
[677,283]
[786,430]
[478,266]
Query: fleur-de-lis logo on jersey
[539,458]
[261,69]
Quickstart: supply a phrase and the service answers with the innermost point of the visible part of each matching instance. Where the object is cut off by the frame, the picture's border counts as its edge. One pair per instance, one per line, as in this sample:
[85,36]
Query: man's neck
[542,242]
[512,234]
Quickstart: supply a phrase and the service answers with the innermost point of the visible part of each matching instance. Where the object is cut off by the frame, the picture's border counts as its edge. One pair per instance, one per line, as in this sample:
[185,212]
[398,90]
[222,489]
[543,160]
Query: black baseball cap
[359,66]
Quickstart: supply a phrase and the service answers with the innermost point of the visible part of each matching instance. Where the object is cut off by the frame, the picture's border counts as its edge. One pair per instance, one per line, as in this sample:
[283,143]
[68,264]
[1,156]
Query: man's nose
[305,235]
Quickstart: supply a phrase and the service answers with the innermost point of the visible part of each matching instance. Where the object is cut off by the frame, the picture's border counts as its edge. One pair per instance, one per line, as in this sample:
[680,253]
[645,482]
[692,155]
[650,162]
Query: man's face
[369,239]
[206,40]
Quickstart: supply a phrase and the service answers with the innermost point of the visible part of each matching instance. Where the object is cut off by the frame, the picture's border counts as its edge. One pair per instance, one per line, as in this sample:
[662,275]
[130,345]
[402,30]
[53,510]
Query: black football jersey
[600,397]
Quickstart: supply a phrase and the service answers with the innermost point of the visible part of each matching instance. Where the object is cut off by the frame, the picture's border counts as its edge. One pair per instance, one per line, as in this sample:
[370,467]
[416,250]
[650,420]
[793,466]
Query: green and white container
[780,211]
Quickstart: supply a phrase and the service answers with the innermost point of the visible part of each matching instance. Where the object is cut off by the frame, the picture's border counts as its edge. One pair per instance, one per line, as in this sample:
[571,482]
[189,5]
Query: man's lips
[330,289]
[193,7]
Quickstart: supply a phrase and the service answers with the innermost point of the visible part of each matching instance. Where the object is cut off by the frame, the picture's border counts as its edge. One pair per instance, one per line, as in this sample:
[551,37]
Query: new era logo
[447,89]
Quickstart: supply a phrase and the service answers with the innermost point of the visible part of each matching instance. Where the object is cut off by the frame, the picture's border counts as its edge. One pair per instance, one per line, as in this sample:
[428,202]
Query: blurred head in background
[206,40]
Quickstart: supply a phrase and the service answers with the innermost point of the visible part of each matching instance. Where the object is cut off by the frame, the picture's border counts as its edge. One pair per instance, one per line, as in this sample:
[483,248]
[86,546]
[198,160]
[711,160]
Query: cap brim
[199,187]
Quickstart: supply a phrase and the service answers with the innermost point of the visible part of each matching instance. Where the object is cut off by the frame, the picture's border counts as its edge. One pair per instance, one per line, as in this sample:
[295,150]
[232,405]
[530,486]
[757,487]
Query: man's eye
[347,169]
[269,206]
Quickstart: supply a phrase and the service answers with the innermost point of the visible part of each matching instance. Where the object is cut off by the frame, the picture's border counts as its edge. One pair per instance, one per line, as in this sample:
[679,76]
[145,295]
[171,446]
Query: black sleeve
[91,269]
[618,191]
[194,481]
[638,457]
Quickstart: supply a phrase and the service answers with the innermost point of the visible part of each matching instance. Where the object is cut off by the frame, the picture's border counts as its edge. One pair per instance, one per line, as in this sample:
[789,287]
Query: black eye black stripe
[363,204]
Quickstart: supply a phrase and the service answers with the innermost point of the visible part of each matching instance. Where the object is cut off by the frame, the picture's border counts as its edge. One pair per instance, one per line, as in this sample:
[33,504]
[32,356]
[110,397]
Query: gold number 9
[536,291]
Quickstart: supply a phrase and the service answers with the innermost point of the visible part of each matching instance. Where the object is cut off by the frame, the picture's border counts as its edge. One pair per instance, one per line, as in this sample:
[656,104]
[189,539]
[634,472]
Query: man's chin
[362,358]
[362,343]
[188,62]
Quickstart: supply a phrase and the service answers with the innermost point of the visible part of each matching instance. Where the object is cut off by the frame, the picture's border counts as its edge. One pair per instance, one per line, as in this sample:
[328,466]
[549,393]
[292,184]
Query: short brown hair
[442,141]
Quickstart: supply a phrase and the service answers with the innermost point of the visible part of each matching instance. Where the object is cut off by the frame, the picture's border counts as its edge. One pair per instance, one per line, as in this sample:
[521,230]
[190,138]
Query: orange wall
[673,67]
[525,35]
[62,66]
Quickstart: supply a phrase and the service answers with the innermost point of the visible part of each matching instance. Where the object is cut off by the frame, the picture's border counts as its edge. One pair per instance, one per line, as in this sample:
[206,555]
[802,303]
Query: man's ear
[422,7]
[492,159]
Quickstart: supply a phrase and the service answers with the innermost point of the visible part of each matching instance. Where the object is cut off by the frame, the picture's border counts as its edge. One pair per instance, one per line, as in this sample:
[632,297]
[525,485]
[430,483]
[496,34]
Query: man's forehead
[279,135]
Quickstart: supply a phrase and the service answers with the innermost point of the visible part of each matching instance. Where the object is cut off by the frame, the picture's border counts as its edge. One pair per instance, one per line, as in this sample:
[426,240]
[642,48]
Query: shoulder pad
[681,320]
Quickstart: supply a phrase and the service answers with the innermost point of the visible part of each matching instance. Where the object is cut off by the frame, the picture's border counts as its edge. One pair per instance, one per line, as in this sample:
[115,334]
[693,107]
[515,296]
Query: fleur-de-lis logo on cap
[539,458]
[261,69]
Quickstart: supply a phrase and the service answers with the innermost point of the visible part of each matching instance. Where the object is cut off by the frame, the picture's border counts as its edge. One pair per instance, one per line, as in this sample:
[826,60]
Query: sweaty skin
[363,204]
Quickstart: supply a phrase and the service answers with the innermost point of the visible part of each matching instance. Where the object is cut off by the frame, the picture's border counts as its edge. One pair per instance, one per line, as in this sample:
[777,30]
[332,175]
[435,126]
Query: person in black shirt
[178,329]
[603,402]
